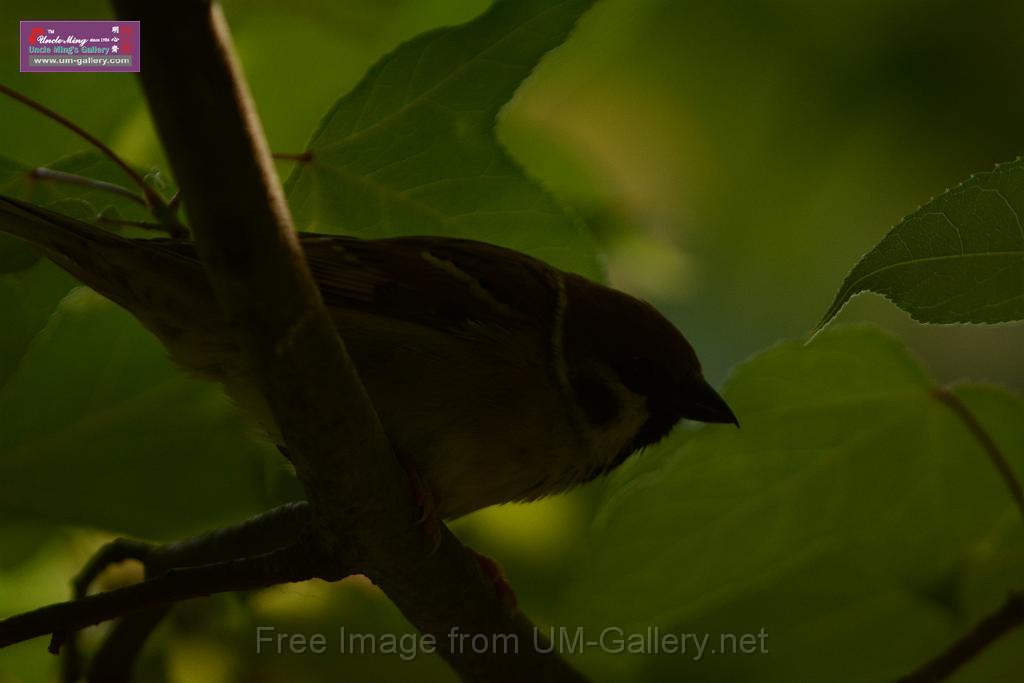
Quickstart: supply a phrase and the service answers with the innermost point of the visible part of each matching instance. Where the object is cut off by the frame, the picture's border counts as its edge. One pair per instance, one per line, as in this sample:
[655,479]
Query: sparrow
[496,376]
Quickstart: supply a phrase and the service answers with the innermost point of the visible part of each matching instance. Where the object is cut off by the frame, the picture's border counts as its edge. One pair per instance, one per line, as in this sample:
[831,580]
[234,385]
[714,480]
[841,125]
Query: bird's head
[635,376]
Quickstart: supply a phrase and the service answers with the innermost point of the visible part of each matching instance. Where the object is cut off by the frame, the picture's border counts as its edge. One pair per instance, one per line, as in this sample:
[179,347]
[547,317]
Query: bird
[496,376]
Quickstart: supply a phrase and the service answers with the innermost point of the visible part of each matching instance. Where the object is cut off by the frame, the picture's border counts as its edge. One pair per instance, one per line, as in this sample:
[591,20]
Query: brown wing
[442,282]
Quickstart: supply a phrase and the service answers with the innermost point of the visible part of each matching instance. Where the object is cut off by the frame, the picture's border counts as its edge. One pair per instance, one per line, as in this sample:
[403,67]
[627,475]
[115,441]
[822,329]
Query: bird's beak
[702,403]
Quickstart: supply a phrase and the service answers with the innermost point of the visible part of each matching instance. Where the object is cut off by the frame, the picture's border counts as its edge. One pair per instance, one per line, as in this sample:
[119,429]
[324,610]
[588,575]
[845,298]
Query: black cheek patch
[596,399]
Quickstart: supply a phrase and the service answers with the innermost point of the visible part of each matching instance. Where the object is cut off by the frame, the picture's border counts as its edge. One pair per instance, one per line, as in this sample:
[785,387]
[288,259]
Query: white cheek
[617,435]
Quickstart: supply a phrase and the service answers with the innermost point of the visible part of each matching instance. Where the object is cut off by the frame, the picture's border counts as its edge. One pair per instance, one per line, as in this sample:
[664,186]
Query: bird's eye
[595,398]
[640,376]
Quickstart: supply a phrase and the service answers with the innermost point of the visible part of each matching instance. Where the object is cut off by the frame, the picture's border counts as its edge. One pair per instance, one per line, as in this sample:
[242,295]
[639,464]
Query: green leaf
[850,498]
[21,541]
[99,429]
[12,174]
[957,259]
[412,149]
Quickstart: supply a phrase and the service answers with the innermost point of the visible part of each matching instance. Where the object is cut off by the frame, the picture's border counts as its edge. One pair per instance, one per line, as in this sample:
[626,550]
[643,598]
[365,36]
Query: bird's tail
[47,229]
[160,281]
[94,256]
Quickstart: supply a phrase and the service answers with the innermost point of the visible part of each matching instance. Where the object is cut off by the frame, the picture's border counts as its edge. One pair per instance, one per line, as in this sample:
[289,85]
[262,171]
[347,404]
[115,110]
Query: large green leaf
[957,259]
[851,507]
[412,149]
[30,286]
[99,429]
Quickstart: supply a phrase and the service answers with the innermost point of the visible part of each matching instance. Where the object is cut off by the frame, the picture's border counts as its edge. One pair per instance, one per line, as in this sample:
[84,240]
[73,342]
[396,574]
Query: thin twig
[288,564]
[72,179]
[152,198]
[115,552]
[988,444]
[986,632]
[300,157]
[1011,614]
[114,660]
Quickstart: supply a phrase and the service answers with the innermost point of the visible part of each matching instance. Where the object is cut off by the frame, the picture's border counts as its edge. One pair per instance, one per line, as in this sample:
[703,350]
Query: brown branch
[296,562]
[66,642]
[360,496]
[986,632]
[263,533]
[988,444]
[115,659]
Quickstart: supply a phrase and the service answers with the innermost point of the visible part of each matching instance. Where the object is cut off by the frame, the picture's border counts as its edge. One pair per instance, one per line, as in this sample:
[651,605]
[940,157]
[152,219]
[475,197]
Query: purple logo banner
[80,46]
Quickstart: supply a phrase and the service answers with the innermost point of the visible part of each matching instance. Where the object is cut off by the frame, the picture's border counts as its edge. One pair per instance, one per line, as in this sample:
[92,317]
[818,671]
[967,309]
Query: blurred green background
[733,160]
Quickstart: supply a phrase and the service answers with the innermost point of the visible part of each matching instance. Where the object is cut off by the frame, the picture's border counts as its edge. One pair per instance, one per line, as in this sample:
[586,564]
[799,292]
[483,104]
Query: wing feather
[444,283]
